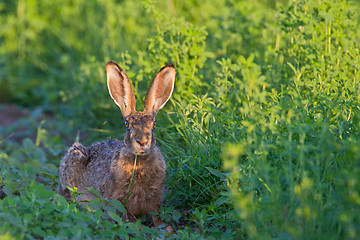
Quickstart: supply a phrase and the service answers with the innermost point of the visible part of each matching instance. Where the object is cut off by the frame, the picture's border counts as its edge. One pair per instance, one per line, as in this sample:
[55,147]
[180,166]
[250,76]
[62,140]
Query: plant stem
[131,181]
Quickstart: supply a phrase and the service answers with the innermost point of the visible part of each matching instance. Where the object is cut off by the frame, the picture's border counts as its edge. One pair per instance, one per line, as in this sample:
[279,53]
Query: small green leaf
[176,216]
[37,231]
[217,173]
[115,217]
[95,192]
[117,205]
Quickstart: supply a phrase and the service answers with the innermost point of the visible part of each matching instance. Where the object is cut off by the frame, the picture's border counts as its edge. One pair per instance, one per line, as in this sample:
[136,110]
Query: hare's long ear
[120,88]
[160,89]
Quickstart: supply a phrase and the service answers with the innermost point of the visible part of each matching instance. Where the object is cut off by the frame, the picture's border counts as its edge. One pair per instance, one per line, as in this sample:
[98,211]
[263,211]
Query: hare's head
[139,136]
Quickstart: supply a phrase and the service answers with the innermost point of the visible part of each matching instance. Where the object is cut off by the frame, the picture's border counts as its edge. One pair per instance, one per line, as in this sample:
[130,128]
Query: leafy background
[261,135]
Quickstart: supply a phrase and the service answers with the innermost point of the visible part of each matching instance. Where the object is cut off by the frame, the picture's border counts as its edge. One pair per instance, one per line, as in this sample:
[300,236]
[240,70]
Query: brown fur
[107,166]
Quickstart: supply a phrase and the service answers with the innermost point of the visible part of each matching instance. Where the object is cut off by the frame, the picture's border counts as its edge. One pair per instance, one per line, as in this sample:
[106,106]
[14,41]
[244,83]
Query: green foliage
[295,166]
[33,210]
[261,139]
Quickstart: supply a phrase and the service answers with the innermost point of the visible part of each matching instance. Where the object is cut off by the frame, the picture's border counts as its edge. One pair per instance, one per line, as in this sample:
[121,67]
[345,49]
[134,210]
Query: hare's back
[100,155]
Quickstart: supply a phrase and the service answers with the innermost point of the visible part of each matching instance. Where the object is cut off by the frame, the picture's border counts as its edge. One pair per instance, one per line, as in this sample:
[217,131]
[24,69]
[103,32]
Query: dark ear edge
[160,90]
[111,62]
[169,64]
[120,88]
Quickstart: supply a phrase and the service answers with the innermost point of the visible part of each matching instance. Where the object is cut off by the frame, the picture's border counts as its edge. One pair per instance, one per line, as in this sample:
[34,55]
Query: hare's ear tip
[111,62]
[170,64]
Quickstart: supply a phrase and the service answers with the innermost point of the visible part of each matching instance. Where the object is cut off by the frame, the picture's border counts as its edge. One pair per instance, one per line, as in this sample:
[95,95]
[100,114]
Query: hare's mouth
[142,153]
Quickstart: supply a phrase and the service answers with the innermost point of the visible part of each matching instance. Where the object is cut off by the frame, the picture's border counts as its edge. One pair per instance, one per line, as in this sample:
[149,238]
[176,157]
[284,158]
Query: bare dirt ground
[10,114]
[16,123]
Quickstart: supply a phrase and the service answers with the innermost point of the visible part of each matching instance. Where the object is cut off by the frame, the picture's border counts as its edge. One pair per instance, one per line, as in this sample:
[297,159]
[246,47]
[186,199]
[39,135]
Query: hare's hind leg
[71,169]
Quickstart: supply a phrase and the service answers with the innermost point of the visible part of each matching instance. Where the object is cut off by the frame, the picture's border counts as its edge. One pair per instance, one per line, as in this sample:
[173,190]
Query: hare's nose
[142,142]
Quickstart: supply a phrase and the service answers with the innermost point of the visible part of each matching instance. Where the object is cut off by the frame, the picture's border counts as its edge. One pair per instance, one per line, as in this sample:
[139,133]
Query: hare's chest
[144,177]
[144,193]
[145,196]
[139,172]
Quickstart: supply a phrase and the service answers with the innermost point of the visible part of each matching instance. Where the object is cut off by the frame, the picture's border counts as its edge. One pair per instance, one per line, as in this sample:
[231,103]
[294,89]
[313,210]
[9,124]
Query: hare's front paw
[129,217]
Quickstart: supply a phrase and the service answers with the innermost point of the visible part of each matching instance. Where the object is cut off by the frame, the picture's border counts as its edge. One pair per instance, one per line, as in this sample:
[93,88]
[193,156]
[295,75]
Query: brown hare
[107,166]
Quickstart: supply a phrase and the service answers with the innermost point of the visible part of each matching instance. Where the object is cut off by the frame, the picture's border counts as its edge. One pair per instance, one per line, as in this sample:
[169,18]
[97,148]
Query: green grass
[261,135]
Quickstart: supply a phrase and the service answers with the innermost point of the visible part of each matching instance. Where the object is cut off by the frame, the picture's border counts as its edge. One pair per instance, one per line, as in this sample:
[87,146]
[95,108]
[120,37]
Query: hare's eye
[154,124]
[126,124]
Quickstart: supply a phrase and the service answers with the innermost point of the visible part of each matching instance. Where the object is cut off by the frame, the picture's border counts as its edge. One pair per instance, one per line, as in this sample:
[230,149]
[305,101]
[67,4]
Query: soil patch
[10,114]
